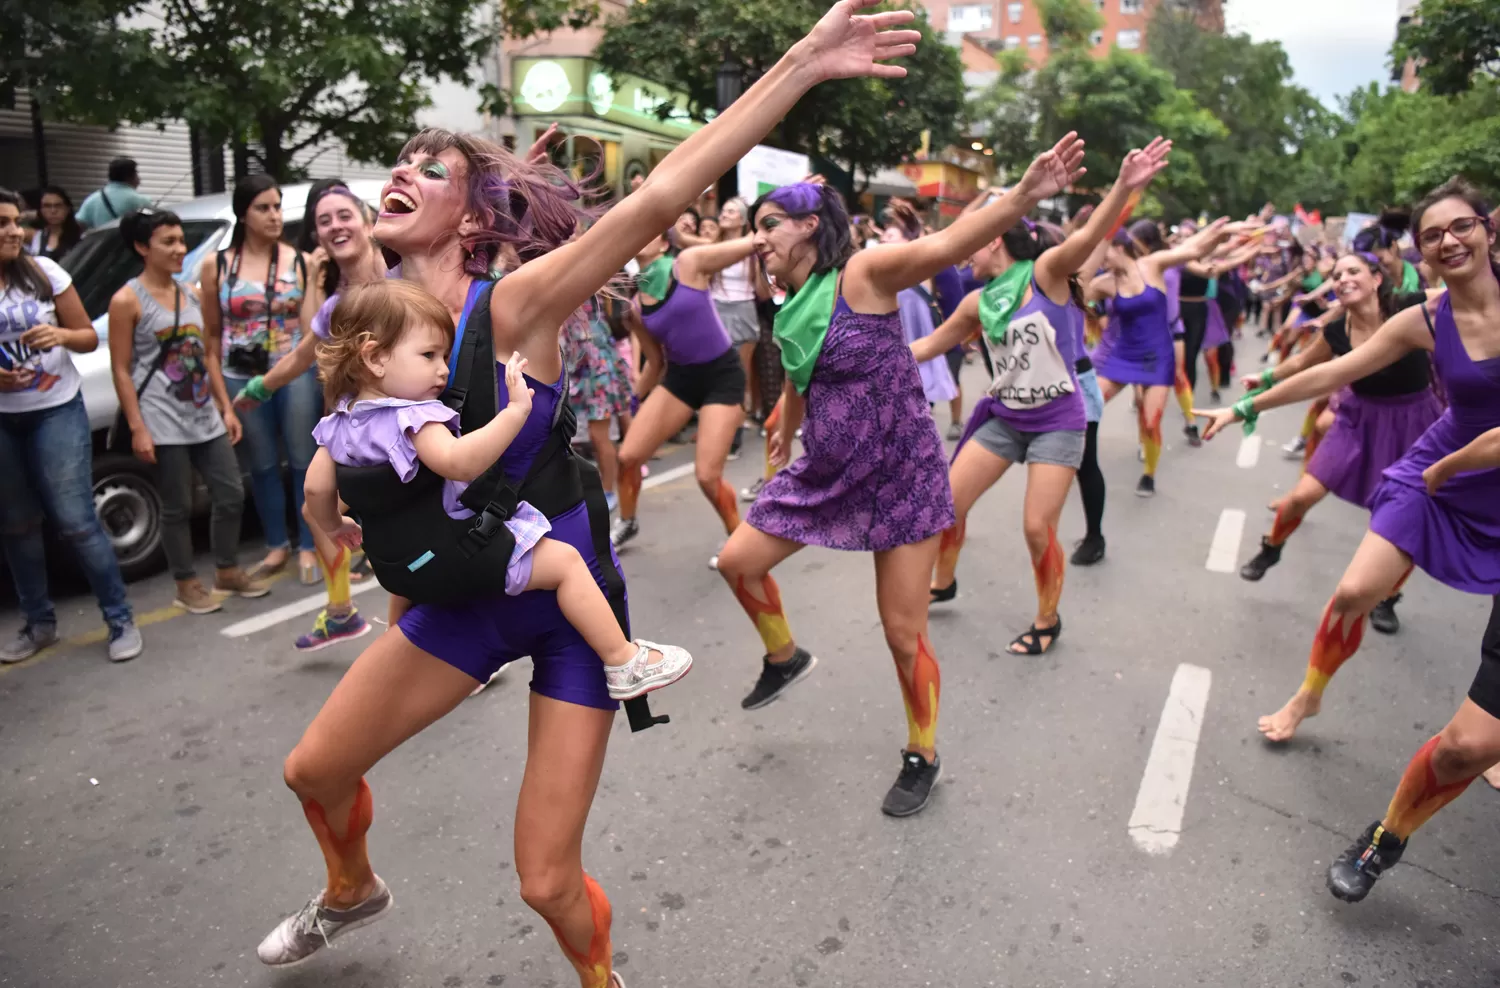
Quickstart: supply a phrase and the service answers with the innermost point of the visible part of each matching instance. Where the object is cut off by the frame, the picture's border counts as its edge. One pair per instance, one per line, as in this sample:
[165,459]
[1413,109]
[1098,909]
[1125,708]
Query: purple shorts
[480,635]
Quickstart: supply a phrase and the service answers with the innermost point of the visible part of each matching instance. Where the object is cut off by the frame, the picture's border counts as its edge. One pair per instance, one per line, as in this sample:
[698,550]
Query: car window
[102,262]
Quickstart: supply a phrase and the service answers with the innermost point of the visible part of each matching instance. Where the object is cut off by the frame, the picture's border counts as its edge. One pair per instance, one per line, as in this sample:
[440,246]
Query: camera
[247,361]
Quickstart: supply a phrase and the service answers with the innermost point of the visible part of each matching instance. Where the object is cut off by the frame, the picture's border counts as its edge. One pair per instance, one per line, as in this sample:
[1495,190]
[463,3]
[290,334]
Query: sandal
[941,595]
[360,569]
[1035,646]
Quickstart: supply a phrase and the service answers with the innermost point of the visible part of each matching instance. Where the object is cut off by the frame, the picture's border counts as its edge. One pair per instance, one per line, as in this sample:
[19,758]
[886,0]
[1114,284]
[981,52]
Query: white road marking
[286,612]
[1224,552]
[666,476]
[1249,453]
[1156,823]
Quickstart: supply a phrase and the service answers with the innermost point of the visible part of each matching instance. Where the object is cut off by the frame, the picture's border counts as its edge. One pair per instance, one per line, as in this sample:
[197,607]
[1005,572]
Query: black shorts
[720,381]
[1486,689]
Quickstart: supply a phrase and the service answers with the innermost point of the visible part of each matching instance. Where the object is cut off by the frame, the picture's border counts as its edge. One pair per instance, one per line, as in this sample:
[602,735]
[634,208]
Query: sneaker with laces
[28,641]
[1354,874]
[1088,551]
[913,787]
[640,676]
[195,599]
[623,531]
[1268,556]
[125,642]
[753,491]
[1293,450]
[1384,618]
[775,677]
[1193,439]
[316,926]
[239,583]
[1146,487]
[331,630]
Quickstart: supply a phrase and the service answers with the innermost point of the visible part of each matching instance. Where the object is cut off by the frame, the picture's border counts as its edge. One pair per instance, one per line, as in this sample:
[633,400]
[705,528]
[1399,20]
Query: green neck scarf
[1000,299]
[802,325]
[1411,280]
[656,277]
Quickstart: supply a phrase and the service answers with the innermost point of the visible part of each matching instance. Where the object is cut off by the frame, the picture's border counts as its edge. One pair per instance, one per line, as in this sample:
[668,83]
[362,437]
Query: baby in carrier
[384,366]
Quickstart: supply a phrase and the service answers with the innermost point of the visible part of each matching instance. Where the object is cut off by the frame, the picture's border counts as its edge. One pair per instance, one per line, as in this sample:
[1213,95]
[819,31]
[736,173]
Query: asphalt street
[146,838]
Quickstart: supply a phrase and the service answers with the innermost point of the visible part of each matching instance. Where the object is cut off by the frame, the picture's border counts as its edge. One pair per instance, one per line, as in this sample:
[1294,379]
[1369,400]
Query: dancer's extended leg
[901,595]
[974,471]
[717,425]
[1046,489]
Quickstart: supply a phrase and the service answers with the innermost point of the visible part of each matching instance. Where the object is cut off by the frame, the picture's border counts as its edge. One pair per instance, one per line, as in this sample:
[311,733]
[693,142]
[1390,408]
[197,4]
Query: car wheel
[129,508]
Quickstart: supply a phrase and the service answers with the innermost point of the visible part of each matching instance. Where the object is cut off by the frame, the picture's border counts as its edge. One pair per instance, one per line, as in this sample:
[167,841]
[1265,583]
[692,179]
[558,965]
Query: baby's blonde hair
[378,313]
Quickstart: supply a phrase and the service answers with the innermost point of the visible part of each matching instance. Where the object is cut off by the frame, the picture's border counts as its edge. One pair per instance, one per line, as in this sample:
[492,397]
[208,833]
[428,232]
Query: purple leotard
[1141,352]
[686,324]
[480,635]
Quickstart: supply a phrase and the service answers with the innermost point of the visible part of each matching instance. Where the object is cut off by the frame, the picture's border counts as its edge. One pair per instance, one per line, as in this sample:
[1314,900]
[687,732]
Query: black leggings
[1194,326]
[1091,483]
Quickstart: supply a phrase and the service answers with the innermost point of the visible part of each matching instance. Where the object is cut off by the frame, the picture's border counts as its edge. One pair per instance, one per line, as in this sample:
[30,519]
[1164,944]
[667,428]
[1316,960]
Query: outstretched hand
[537,153]
[1054,170]
[517,390]
[1218,420]
[1141,165]
[845,43]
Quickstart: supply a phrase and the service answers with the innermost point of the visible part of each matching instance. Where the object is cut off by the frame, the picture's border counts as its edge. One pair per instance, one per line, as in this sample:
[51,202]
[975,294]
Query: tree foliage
[858,123]
[1454,43]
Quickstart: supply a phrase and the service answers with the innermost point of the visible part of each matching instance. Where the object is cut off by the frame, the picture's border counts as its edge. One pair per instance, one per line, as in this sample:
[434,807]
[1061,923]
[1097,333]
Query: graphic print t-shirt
[54,380]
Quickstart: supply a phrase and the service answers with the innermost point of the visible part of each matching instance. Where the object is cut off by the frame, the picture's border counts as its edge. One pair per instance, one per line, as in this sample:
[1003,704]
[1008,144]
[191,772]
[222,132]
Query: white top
[54,378]
[733,283]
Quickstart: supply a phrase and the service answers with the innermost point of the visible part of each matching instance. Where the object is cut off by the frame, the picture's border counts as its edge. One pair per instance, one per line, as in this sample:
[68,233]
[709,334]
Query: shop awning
[886,182]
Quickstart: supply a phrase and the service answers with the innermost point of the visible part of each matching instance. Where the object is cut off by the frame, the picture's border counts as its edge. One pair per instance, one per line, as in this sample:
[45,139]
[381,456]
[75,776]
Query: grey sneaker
[623,531]
[29,641]
[125,643]
[636,677]
[315,926]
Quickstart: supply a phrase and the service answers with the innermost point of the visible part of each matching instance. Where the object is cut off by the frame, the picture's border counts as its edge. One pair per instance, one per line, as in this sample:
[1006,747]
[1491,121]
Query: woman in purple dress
[455,207]
[1438,508]
[872,477]
[1029,316]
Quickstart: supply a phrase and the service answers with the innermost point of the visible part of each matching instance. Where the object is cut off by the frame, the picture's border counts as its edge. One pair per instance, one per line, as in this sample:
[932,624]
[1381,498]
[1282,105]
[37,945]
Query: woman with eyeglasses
[252,297]
[59,231]
[1438,508]
[46,457]
[342,252]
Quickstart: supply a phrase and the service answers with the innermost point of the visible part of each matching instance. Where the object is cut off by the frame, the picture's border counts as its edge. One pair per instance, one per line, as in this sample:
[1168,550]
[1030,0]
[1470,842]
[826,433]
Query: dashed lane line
[1224,551]
[1156,823]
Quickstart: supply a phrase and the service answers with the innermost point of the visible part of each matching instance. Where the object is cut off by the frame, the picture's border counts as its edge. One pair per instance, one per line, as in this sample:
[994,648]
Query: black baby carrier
[417,551]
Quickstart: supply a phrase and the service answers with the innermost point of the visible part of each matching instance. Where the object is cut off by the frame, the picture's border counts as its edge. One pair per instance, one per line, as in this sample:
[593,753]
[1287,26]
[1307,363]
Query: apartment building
[1017,25]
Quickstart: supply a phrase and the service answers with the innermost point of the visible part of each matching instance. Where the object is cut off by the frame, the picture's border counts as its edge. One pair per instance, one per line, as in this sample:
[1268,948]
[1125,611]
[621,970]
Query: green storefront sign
[579,87]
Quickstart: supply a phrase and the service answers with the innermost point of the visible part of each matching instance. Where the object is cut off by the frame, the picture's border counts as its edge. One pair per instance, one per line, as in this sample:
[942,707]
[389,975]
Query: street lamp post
[730,84]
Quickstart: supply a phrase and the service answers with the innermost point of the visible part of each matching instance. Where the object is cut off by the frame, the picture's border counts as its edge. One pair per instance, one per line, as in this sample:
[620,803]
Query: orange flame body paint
[1048,569]
[594,963]
[1184,392]
[1149,430]
[949,546]
[336,577]
[1419,795]
[1285,524]
[1211,358]
[770,621]
[920,693]
[630,490]
[725,504]
[346,858]
[1332,645]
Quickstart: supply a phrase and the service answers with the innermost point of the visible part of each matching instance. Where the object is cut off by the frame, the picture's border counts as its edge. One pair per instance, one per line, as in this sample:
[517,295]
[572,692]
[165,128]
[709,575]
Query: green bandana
[802,325]
[1411,281]
[1000,299]
[655,278]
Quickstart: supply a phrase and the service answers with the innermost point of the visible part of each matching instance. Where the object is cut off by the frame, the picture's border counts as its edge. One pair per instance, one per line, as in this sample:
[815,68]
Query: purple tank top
[686,324]
[1473,387]
[1036,383]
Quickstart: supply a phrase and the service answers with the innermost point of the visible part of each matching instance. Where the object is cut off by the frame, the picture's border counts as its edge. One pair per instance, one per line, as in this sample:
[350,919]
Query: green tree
[1454,42]
[1069,22]
[275,76]
[859,123]
[1403,144]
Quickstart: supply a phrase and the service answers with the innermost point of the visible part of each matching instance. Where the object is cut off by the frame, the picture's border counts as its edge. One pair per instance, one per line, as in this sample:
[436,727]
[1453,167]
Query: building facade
[1017,25]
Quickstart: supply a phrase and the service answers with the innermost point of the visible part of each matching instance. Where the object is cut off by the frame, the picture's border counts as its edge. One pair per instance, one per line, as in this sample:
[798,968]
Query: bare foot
[1493,776]
[1281,725]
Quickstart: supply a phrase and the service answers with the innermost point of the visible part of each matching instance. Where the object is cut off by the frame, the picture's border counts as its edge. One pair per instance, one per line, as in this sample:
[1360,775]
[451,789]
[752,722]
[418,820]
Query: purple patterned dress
[872,475]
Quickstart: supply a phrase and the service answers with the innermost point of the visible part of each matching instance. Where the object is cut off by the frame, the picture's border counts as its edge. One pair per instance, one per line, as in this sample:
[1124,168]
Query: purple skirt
[1367,436]
[1454,535]
[1215,333]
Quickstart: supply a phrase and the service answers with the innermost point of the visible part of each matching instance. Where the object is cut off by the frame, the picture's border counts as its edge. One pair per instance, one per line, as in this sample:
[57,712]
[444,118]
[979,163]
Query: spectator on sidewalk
[116,198]
[45,453]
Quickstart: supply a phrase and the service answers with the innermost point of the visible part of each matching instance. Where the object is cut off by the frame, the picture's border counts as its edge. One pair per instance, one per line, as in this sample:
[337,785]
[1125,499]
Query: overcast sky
[1334,45]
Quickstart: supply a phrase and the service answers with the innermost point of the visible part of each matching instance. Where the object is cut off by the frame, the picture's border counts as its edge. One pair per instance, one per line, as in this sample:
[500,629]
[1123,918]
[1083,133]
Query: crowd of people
[427,365]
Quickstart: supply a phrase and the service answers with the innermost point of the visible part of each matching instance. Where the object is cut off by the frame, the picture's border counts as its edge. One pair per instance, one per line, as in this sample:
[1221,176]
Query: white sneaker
[1293,449]
[637,677]
[315,926]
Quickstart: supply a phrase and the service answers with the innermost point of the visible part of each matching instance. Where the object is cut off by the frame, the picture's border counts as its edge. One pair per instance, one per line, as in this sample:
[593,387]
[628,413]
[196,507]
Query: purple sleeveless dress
[872,475]
[1141,352]
[1455,534]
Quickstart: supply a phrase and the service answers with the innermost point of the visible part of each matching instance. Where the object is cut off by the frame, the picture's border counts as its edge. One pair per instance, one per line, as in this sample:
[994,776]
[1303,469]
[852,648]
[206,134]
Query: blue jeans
[46,465]
[286,420]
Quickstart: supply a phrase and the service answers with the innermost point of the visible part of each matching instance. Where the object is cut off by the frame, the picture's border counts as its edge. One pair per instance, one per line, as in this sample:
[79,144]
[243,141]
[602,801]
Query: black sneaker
[1213,396]
[1383,618]
[1353,875]
[1147,486]
[1089,551]
[1268,556]
[1194,440]
[775,677]
[913,787]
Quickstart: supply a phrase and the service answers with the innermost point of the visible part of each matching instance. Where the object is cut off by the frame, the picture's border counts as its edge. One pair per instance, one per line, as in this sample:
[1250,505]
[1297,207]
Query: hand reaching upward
[1054,170]
[1140,166]
[846,43]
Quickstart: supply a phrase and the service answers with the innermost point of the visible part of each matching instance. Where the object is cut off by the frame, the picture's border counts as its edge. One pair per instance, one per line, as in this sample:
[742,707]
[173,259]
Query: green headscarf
[802,325]
[1411,279]
[656,277]
[1001,297]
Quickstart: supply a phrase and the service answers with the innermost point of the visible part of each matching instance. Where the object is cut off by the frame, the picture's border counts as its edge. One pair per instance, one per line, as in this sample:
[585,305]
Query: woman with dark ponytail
[1034,412]
[1438,507]
[872,477]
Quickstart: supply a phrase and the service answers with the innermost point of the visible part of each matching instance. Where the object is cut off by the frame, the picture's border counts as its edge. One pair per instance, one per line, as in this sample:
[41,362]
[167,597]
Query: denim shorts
[1063,448]
[1093,398]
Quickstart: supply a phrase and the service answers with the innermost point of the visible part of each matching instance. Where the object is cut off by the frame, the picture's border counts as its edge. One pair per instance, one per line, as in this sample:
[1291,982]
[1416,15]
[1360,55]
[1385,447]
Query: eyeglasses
[1460,228]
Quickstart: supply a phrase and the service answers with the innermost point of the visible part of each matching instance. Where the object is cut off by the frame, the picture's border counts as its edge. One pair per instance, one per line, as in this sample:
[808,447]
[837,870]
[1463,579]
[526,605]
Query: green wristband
[1267,378]
[1245,409]
[255,389]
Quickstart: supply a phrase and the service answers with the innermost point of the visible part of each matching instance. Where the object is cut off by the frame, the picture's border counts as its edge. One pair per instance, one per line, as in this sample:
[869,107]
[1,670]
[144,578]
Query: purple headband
[798,199]
[1122,238]
[1369,259]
